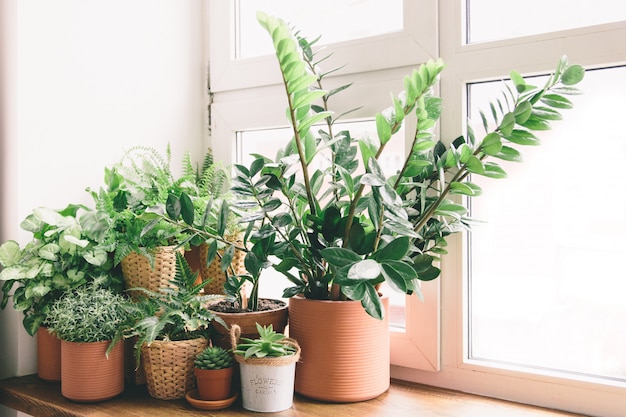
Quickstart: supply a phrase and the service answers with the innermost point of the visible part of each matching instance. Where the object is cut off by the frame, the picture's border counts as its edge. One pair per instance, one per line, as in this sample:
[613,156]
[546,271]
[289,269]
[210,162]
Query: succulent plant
[268,344]
[213,357]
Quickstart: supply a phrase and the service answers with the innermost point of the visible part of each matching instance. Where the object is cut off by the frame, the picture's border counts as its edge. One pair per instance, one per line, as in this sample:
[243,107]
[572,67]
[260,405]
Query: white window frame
[245,95]
[593,47]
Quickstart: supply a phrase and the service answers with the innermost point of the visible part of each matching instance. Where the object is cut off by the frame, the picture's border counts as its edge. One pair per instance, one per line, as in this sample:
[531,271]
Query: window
[463,307]
[509,286]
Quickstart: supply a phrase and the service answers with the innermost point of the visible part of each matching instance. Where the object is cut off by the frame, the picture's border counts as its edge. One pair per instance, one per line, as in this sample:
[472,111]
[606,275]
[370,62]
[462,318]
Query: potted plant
[90,321]
[267,366]
[213,369]
[65,252]
[171,330]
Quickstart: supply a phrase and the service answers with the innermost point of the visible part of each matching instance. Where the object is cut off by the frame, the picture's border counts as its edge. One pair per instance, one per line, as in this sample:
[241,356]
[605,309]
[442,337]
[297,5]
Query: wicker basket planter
[214,269]
[169,367]
[138,272]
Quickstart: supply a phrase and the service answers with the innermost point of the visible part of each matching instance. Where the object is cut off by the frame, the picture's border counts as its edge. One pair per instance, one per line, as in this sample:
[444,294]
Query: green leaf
[523,111]
[307,98]
[556,100]
[222,219]
[509,154]
[491,144]
[9,253]
[394,250]
[465,188]
[172,207]
[367,269]
[474,165]
[523,137]
[340,256]
[186,209]
[507,124]
[383,128]
[573,75]
[518,81]
[493,170]
[227,258]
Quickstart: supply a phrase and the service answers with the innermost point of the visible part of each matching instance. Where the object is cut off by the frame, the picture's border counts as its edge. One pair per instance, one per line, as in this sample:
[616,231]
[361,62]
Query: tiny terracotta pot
[214,384]
[48,355]
[87,375]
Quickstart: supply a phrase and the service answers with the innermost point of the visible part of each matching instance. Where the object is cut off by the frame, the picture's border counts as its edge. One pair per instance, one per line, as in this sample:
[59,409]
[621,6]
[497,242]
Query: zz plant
[338,232]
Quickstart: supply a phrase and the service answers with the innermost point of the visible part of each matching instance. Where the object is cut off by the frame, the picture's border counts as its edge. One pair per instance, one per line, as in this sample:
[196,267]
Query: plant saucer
[193,399]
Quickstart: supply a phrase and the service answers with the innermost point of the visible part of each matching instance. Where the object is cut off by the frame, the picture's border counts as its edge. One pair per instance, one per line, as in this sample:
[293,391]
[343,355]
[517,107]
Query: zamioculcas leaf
[573,75]
[394,250]
[492,144]
[383,128]
[172,207]
[186,209]
[558,101]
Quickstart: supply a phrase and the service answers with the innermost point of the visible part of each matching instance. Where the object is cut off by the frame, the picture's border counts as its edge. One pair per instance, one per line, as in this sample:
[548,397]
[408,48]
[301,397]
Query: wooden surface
[38,398]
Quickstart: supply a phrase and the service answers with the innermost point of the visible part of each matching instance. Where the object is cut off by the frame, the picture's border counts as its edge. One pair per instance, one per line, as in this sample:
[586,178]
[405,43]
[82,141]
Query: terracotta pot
[48,355]
[86,373]
[345,352]
[247,322]
[214,384]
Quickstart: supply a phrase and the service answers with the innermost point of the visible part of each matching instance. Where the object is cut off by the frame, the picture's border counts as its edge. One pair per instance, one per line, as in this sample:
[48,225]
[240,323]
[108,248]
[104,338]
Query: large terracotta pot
[48,355]
[86,373]
[247,322]
[345,352]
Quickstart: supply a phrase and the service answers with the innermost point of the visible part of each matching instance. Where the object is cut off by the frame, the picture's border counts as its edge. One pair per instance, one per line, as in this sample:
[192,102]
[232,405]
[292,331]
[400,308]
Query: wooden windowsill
[38,398]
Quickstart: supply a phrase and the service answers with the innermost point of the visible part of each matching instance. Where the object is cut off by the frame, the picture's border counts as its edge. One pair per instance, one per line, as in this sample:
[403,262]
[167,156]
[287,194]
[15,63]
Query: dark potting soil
[265,304]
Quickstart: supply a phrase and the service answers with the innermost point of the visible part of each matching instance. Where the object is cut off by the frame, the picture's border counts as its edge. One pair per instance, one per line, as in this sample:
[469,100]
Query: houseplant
[267,367]
[171,330]
[65,252]
[213,369]
[90,321]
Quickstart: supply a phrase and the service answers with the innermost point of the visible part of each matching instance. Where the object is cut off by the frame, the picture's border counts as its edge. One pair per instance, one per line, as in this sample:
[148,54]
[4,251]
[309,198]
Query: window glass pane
[547,285]
[267,142]
[336,20]
[489,20]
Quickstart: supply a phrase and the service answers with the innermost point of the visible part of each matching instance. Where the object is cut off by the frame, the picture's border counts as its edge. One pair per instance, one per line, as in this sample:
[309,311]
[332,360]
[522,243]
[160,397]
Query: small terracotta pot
[345,352]
[86,373]
[48,355]
[214,384]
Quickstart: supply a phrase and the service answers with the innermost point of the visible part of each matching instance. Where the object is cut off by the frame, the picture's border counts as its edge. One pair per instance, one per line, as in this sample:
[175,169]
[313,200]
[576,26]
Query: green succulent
[269,344]
[213,357]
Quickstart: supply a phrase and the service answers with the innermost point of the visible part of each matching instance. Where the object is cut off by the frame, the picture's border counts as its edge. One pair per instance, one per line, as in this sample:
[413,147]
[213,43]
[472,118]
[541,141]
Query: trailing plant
[214,357]
[269,344]
[66,252]
[90,314]
[340,231]
[178,312]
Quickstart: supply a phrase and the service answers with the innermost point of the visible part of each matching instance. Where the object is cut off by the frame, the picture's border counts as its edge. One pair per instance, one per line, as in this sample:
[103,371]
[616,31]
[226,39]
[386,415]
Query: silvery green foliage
[89,314]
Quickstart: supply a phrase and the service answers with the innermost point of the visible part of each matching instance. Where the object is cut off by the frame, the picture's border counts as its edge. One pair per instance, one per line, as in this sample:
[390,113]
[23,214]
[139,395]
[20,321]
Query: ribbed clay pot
[86,373]
[48,355]
[345,352]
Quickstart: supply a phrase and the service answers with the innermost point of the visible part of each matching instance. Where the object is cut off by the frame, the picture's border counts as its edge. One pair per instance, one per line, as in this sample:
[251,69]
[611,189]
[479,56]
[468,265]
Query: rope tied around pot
[235,333]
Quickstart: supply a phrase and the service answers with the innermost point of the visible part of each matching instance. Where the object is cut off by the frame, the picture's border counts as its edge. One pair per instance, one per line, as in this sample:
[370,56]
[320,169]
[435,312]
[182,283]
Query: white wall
[81,81]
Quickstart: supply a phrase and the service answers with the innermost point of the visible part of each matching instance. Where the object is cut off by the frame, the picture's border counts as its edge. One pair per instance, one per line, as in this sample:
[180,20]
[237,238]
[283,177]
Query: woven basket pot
[214,269]
[138,272]
[169,367]
[87,375]
[48,355]
[345,352]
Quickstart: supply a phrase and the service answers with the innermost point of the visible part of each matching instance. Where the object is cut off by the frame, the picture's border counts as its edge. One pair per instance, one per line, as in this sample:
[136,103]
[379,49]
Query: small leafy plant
[213,357]
[173,313]
[269,344]
[66,252]
[90,314]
